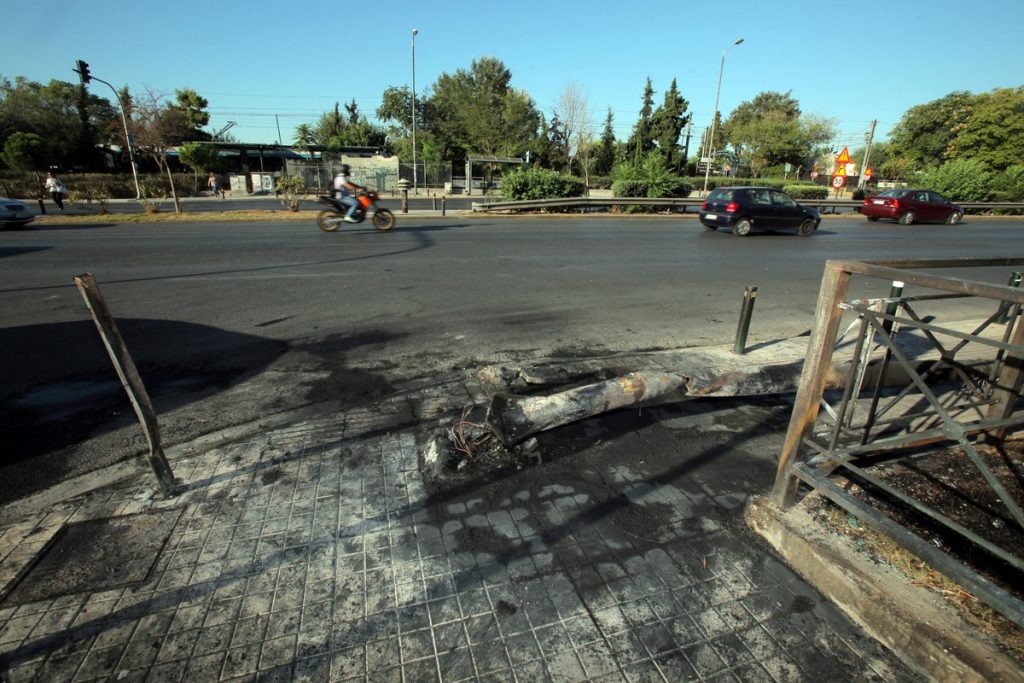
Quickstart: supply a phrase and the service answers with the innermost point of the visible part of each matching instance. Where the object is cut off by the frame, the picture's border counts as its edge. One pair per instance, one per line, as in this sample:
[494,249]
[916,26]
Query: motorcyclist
[345,190]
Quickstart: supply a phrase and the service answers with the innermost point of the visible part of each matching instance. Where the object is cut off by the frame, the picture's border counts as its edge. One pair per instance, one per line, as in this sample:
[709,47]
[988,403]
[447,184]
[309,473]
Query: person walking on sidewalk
[214,185]
[56,189]
[344,190]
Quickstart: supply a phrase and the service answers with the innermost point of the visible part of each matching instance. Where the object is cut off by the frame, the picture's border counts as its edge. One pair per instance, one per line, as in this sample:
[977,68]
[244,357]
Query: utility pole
[867,156]
[686,146]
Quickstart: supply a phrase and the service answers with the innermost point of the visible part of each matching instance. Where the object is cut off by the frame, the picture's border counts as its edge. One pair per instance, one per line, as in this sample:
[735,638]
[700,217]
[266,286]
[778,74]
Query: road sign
[844,156]
[838,181]
[840,170]
[868,173]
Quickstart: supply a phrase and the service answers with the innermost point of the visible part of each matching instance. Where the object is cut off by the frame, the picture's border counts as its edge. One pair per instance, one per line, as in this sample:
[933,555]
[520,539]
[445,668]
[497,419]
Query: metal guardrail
[823,205]
[869,430]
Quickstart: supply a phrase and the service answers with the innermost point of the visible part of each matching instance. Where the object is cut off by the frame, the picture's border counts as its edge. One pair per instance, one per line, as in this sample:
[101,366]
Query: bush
[291,186]
[961,180]
[729,181]
[539,183]
[805,191]
[600,182]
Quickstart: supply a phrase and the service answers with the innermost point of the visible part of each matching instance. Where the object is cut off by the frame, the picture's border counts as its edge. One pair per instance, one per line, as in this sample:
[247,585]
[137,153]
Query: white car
[14,213]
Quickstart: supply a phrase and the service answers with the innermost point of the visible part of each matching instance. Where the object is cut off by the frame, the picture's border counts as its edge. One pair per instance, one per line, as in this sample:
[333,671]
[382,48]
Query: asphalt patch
[96,555]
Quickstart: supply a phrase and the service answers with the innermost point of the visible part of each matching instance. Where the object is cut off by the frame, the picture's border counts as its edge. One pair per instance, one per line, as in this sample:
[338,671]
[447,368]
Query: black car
[745,209]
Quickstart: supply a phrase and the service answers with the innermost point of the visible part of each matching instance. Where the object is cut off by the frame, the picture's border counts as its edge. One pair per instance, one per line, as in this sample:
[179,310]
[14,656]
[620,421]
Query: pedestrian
[56,189]
[214,185]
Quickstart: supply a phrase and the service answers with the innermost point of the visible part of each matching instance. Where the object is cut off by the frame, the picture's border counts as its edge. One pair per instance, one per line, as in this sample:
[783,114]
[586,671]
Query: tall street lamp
[414,183]
[714,117]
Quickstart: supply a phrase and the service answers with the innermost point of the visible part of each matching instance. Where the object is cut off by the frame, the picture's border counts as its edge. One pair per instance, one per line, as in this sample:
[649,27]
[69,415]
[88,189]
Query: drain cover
[96,555]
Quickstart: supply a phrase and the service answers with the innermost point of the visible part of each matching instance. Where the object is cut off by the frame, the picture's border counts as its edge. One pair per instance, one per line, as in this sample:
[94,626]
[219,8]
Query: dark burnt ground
[949,482]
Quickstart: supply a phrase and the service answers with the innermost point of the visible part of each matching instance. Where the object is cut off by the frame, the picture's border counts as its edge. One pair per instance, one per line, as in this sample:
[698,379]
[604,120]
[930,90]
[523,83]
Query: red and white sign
[838,181]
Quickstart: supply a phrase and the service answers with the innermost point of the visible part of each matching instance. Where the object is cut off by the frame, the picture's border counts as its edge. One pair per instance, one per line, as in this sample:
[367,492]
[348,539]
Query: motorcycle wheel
[383,220]
[329,221]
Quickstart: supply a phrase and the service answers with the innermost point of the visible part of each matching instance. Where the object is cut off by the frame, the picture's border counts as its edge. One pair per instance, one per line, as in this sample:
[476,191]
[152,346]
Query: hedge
[806,191]
[539,183]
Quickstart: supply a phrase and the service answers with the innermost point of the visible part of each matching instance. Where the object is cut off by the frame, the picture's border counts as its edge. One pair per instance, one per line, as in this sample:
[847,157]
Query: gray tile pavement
[319,552]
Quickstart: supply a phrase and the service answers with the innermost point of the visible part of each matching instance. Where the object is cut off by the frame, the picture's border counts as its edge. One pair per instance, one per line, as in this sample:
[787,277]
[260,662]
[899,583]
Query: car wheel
[907,218]
[742,227]
[806,228]
[873,219]
[954,218]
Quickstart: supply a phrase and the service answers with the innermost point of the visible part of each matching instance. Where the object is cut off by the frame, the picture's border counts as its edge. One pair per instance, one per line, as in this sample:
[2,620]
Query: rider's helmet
[345,169]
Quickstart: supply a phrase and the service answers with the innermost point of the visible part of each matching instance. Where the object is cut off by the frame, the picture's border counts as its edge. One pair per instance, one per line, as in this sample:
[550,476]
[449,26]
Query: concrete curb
[928,634]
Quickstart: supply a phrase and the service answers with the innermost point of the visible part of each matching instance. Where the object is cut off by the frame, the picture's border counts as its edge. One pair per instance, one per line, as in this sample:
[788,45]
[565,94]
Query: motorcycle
[331,219]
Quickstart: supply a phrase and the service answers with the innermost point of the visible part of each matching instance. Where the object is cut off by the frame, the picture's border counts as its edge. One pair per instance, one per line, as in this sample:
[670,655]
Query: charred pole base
[513,419]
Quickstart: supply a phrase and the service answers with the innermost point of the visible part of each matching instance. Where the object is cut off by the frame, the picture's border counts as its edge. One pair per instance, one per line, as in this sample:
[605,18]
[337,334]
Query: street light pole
[714,117]
[85,75]
[414,178]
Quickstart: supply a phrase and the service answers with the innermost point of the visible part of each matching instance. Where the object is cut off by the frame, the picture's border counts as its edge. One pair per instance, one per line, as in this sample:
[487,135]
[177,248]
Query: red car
[910,206]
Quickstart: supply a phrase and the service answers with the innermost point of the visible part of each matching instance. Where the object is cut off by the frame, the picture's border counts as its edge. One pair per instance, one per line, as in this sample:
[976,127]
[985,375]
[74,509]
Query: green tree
[189,111]
[67,120]
[770,130]
[962,180]
[24,152]
[993,131]
[926,133]
[200,158]
[477,112]
[334,131]
[605,157]
[667,123]
[640,142]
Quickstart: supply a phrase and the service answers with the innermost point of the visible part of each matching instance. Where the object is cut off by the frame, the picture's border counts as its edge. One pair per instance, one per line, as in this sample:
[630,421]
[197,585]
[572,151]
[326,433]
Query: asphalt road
[231,322]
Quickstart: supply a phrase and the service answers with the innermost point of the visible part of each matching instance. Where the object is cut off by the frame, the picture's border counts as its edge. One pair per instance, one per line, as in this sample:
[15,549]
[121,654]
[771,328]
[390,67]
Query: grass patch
[184,217]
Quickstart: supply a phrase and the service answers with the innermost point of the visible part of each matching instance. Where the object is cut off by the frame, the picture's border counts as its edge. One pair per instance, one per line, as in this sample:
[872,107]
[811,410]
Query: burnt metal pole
[130,380]
[749,296]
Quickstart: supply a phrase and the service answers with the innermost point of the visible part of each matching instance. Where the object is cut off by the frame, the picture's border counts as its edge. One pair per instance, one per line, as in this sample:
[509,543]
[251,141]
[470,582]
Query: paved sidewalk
[317,551]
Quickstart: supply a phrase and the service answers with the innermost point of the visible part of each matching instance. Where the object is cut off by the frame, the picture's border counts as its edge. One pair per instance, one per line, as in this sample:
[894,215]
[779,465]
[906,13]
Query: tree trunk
[514,419]
[174,192]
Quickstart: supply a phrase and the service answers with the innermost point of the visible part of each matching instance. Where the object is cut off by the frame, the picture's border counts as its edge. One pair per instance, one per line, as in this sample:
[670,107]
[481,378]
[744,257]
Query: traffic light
[83,72]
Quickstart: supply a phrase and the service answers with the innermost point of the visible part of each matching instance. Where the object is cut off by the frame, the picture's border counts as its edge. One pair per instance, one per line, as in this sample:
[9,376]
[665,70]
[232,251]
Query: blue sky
[269,65]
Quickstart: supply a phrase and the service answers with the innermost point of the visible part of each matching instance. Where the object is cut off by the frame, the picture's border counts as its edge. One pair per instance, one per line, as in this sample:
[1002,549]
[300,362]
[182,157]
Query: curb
[927,633]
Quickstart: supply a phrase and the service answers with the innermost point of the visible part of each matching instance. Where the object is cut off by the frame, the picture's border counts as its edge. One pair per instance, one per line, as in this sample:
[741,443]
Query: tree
[190,114]
[769,130]
[476,111]
[200,158]
[640,141]
[605,156]
[572,111]
[158,126]
[334,131]
[67,120]
[962,180]
[667,123]
[24,152]
[926,134]
[993,130]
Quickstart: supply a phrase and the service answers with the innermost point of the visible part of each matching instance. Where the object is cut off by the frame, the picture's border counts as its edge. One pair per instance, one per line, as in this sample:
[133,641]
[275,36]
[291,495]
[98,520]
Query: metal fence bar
[130,379]
[996,597]
[976,410]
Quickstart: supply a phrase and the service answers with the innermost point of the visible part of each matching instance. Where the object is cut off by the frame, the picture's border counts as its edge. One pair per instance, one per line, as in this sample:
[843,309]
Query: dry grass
[882,549]
[165,216]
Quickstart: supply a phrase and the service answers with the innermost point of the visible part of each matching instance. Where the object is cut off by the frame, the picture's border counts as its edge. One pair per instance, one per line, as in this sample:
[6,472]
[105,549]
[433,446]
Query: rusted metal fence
[966,396]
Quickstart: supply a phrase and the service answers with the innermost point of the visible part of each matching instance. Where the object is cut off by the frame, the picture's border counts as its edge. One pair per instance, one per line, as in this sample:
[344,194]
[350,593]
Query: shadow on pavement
[60,388]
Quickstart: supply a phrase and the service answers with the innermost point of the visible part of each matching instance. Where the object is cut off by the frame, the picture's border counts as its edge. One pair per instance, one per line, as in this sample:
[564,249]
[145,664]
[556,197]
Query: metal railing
[824,205]
[866,430]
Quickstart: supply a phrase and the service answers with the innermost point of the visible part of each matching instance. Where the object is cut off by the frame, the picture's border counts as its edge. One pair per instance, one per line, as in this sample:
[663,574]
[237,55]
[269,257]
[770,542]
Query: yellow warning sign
[844,156]
[840,170]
